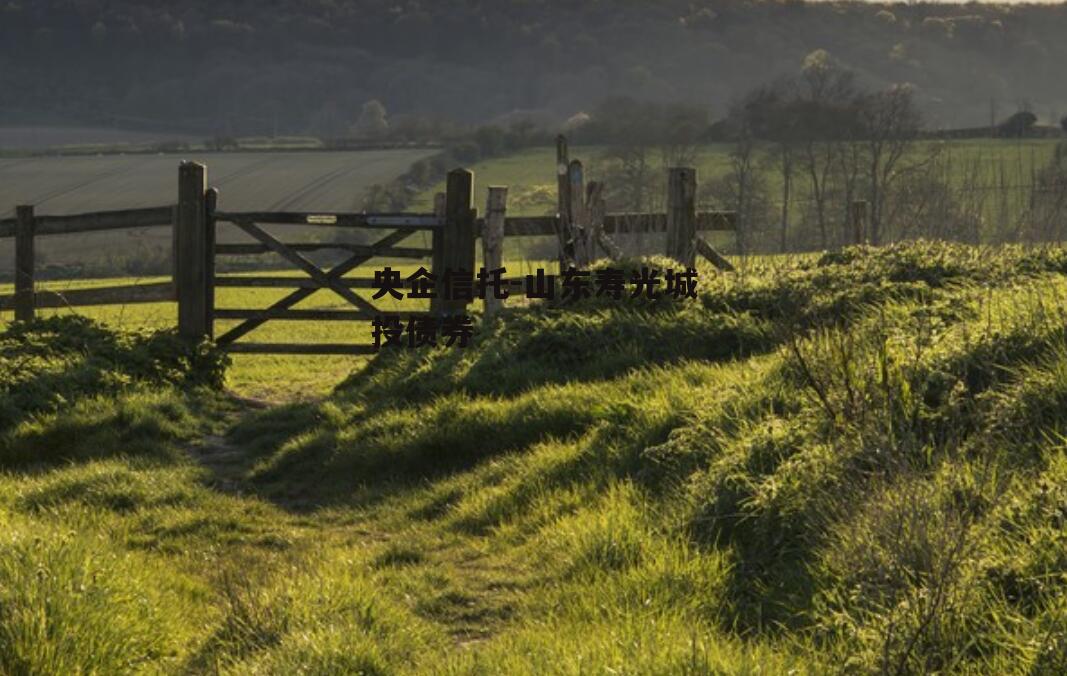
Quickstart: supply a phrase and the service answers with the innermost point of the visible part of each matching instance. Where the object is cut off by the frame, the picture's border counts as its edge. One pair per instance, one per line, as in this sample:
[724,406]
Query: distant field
[334,181]
[39,138]
[531,174]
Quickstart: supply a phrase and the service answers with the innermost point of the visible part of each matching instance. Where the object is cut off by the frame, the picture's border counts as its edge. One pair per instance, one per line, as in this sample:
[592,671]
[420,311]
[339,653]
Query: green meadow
[989,178]
[847,462]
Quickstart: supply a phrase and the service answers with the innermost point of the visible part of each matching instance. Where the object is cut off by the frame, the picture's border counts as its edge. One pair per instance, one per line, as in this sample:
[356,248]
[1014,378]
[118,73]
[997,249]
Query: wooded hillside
[296,66]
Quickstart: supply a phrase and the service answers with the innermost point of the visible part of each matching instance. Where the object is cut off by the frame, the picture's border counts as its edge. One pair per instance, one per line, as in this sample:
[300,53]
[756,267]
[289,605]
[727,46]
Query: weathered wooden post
[194,254]
[457,242]
[859,221]
[25,293]
[579,252]
[211,204]
[496,210]
[437,245]
[563,201]
[597,210]
[439,204]
[682,215]
[174,218]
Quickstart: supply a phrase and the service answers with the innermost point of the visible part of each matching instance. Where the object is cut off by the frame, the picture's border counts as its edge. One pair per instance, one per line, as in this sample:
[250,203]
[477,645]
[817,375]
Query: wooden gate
[451,228]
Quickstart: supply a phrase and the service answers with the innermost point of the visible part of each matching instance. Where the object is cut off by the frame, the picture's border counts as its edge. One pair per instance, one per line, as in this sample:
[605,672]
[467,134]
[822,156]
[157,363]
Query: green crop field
[319,181]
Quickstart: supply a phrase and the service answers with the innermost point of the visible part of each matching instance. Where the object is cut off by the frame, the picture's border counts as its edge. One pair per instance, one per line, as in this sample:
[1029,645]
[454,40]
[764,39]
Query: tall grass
[847,463]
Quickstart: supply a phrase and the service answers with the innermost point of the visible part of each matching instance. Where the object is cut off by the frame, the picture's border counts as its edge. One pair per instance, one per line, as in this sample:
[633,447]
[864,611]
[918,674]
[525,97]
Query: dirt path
[473,594]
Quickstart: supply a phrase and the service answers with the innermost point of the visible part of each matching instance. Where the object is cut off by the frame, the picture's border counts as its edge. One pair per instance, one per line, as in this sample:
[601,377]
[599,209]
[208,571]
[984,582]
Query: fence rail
[158,292]
[93,222]
[27,226]
[338,220]
[582,225]
[724,221]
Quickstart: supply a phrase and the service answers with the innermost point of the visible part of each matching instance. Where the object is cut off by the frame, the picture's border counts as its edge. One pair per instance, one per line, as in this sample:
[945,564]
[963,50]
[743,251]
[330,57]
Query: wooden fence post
[577,251]
[194,256]
[563,201]
[597,209]
[174,218]
[439,204]
[682,215]
[211,204]
[859,221]
[25,300]
[496,210]
[437,264]
[459,235]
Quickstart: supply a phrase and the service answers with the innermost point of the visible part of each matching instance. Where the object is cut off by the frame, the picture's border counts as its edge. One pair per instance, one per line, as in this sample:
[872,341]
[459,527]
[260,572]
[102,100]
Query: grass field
[271,378]
[316,181]
[842,463]
[41,138]
[531,176]
[337,181]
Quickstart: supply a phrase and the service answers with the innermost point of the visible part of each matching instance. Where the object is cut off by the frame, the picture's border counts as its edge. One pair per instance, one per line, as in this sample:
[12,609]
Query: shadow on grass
[72,389]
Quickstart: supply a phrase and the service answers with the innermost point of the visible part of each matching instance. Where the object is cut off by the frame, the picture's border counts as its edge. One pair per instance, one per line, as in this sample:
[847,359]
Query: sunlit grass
[660,505]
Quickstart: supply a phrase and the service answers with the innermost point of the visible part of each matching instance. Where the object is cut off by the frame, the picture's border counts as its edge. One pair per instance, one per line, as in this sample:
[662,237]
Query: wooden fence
[582,225]
[27,226]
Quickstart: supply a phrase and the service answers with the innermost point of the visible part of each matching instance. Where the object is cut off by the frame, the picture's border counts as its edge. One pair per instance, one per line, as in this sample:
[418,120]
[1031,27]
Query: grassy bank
[845,463]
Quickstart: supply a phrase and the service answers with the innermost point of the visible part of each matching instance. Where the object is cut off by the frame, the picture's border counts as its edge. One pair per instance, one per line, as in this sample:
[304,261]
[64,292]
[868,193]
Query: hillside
[307,66]
[850,462]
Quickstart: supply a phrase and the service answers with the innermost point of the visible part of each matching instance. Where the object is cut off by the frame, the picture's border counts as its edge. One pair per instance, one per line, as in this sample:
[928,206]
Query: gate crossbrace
[295,297]
[304,264]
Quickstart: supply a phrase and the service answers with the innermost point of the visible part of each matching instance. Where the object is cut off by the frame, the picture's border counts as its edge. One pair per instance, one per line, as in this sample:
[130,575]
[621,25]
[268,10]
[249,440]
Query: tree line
[308,66]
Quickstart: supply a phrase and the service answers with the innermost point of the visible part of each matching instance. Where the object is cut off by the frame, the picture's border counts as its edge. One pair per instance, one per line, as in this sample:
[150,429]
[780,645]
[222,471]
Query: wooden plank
[459,235]
[440,209]
[382,252]
[193,253]
[709,252]
[105,220]
[161,292]
[304,264]
[298,349]
[682,215]
[597,213]
[277,282]
[295,297]
[561,224]
[334,219]
[493,241]
[577,250]
[312,315]
[515,225]
[24,263]
[211,205]
[174,248]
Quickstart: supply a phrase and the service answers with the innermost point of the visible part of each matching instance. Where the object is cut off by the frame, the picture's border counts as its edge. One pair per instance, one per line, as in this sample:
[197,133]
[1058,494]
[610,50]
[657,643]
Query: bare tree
[743,189]
[890,122]
[827,115]
[769,113]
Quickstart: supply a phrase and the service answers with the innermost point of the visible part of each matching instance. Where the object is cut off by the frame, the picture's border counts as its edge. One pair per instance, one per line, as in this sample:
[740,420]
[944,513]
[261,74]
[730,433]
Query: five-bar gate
[452,228]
